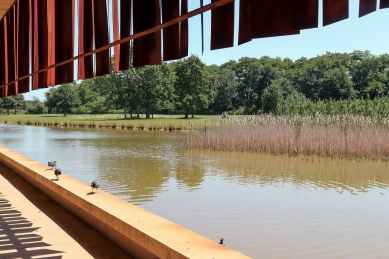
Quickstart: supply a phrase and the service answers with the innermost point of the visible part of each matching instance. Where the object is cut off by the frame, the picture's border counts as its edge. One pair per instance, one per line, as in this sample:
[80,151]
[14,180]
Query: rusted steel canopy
[38,35]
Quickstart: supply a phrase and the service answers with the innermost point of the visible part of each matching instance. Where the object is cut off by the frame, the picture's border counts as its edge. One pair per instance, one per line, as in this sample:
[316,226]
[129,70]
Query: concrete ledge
[137,231]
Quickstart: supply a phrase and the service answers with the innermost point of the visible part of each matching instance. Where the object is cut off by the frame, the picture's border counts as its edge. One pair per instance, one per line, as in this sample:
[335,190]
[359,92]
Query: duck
[221,242]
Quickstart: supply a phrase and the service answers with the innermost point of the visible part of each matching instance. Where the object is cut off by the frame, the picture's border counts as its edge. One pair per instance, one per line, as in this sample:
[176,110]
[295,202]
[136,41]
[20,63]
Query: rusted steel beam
[147,49]
[125,31]
[184,28]
[384,4]
[306,14]
[85,39]
[100,21]
[40,44]
[334,11]
[367,6]
[222,26]
[183,17]
[23,45]
[116,33]
[2,57]
[171,34]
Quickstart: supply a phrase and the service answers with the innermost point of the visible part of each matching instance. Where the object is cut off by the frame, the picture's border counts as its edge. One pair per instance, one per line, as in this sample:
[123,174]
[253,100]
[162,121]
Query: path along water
[263,206]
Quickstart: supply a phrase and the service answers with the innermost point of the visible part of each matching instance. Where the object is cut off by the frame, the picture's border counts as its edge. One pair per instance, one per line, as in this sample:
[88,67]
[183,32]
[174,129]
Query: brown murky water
[263,206]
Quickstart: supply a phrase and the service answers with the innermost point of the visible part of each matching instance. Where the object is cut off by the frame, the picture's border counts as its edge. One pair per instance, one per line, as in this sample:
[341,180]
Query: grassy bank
[160,122]
[346,136]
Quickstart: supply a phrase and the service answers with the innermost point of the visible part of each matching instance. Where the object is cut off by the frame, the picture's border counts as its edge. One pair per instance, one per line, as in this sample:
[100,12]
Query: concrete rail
[137,231]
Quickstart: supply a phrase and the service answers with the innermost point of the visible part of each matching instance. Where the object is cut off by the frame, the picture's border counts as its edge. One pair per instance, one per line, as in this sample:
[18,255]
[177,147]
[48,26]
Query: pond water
[263,206]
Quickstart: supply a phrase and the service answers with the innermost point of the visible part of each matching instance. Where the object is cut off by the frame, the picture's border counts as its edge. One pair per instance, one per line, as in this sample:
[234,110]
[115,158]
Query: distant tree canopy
[246,86]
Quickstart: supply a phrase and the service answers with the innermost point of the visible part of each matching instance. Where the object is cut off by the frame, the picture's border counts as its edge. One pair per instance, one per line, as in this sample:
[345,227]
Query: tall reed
[348,136]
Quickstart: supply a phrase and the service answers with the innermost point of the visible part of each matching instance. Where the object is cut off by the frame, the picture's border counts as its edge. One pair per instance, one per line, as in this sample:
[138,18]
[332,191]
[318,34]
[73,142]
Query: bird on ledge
[52,164]
[57,172]
[221,242]
[95,185]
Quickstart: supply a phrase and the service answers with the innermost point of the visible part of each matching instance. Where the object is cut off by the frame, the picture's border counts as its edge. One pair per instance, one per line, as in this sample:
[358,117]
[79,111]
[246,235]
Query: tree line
[333,83]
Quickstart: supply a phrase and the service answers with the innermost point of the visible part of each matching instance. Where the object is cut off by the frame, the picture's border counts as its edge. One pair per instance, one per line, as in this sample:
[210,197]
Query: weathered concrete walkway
[34,226]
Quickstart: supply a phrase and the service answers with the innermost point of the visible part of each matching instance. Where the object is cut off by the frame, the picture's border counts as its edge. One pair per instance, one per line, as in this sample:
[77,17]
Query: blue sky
[367,33]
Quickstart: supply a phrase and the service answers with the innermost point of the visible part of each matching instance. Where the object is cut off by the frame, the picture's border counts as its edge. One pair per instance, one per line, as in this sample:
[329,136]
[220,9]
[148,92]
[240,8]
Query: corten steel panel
[125,31]
[64,41]
[272,18]
[14,90]
[334,11]
[184,27]
[85,40]
[100,21]
[23,45]
[10,62]
[244,22]
[306,14]
[2,56]
[147,49]
[202,27]
[171,34]
[222,26]
[116,33]
[40,44]
[367,6]
[51,41]
[384,4]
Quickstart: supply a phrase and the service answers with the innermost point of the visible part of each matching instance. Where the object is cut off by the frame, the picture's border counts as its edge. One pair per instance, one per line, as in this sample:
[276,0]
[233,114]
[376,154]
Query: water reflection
[264,206]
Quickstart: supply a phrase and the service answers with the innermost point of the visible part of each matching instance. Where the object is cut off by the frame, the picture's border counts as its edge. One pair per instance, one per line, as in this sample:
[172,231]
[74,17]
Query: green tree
[226,91]
[193,85]
[62,97]
[156,86]
[35,106]
[15,103]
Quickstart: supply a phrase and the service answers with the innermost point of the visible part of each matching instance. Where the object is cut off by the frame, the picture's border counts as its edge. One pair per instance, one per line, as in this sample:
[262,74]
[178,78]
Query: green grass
[172,122]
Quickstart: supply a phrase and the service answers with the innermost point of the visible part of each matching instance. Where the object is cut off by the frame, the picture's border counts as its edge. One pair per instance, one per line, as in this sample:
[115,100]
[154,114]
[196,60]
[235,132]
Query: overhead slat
[306,14]
[85,39]
[222,26]
[171,34]
[244,22]
[367,6]
[184,28]
[40,44]
[116,33]
[23,45]
[335,11]
[100,21]
[384,4]
[125,31]
[147,49]
[2,56]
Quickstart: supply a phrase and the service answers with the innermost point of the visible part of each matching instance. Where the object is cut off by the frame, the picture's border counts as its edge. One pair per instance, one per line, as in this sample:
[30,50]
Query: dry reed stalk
[346,136]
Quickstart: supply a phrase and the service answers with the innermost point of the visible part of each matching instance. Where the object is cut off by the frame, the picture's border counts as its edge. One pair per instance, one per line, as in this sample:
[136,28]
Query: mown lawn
[106,120]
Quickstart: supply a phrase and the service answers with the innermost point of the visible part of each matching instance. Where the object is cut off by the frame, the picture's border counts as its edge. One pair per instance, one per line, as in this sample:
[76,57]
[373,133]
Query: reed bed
[341,136]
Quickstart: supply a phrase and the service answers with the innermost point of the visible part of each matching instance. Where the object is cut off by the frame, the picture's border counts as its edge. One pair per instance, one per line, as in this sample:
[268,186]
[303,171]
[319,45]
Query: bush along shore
[337,136]
[190,126]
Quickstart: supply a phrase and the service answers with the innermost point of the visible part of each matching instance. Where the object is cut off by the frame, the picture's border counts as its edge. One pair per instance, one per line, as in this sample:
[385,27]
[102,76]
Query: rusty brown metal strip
[101,37]
[116,33]
[171,35]
[15,90]
[135,36]
[23,43]
[51,41]
[10,65]
[367,6]
[2,55]
[272,18]
[147,49]
[85,39]
[384,4]
[184,30]
[202,27]
[40,52]
[125,31]
[64,39]
[222,26]
[335,11]
[244,21]
[306,14]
